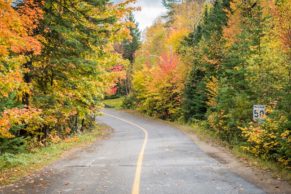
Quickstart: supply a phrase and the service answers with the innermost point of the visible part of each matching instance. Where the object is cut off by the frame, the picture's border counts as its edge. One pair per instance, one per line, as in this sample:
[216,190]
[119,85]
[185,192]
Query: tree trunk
[27,79]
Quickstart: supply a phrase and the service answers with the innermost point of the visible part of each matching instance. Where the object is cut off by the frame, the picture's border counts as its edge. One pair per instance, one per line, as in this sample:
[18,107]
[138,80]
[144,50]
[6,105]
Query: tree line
[55,57]
[211,62]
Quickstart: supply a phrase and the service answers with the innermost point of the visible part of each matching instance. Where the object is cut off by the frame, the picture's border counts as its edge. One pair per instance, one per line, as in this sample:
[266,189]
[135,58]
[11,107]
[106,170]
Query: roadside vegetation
[116,103]
[211,63]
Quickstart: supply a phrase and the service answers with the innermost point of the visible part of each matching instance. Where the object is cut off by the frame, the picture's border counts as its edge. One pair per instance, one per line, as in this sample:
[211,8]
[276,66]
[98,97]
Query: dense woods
[55,57]
[211,62]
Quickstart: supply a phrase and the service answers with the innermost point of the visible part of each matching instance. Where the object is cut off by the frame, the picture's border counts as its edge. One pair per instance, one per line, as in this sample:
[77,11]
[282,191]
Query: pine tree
[169,5]
[129,48]
[207,44]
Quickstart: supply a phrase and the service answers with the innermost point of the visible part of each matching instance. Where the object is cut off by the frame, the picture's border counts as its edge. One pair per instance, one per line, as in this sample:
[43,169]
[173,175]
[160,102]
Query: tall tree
[207,43]
[129,48]
[54,58]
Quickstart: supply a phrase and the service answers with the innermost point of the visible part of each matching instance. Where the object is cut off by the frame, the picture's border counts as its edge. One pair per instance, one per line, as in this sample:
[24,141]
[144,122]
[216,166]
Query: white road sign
[259,112]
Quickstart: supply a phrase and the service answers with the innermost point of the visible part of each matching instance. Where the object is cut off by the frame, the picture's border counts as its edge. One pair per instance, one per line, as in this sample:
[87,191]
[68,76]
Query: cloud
[150,11]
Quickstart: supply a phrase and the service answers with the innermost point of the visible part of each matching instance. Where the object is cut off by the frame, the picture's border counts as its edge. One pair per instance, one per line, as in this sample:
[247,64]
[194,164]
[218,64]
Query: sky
[150,11]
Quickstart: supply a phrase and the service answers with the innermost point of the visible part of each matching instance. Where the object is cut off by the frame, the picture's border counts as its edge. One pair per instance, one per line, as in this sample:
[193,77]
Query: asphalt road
[141,156]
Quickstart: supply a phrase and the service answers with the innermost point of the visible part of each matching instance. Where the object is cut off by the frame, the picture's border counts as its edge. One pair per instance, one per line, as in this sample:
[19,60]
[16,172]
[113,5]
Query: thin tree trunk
[27,79]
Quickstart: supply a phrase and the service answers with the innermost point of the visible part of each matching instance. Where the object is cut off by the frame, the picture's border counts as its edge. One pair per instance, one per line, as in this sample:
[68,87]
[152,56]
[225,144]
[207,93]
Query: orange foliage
[17,28]
[16,37]
[17,116]
[168,63]
[31,14]
[233,26]
[284,24]
[168,73]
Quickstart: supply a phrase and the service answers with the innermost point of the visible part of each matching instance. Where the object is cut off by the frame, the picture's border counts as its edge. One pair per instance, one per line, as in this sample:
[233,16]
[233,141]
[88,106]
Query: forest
[203,62]
[210,63]
[55,66]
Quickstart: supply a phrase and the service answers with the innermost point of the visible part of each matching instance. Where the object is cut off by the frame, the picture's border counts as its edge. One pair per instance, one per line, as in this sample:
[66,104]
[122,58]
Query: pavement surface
[141,156]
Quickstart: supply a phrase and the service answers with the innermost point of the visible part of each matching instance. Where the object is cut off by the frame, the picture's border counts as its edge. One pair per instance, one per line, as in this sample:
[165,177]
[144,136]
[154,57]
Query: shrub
[10,160]
[14,145]
[129,102]
[270,140]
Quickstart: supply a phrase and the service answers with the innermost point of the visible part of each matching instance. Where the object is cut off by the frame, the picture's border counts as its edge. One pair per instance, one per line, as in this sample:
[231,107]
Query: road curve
[142,156]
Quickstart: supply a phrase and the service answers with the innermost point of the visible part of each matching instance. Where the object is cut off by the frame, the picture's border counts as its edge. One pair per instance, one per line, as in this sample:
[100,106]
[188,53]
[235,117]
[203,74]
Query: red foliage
[168,62]
[117,68]
[167,68]
[112,91]
[119,75]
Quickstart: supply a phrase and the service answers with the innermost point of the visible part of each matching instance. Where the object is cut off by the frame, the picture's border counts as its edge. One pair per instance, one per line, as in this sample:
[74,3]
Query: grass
[15,167]
[114,103]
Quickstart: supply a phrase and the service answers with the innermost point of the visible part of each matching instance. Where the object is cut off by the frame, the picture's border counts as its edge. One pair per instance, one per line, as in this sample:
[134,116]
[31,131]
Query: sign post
[259,113]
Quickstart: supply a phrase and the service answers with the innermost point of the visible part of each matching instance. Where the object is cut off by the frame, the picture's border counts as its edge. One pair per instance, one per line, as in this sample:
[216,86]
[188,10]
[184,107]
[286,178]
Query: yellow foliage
[267,140]
[175,37]
[212,91]
[233,26]
[187,15]
[216,121]
[54,138]
[72,139]
[13,117]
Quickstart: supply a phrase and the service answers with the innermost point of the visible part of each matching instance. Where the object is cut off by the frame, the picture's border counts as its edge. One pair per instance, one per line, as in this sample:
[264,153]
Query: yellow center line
[136,182]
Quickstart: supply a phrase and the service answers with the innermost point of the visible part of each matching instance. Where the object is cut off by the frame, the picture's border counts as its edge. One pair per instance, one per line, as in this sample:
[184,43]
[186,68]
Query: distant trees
[129,48]
[159,72]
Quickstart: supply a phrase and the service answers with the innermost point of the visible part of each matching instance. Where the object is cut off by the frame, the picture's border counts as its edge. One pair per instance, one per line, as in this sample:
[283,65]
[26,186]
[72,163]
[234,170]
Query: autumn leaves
[54,57]
[237,55]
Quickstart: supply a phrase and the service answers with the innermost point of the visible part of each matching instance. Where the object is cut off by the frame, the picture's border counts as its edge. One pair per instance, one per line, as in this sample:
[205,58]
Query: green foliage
[129,102]
[206,42]
[129,47]
[114,103]
[10,160]
[250,68]
[194,106]
[238,55]
[14,145]
[54,66]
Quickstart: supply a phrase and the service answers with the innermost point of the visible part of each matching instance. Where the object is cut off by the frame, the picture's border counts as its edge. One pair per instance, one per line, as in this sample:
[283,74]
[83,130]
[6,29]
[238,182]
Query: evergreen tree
[207,44]
[57,54]
[129,48]
[169,5]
